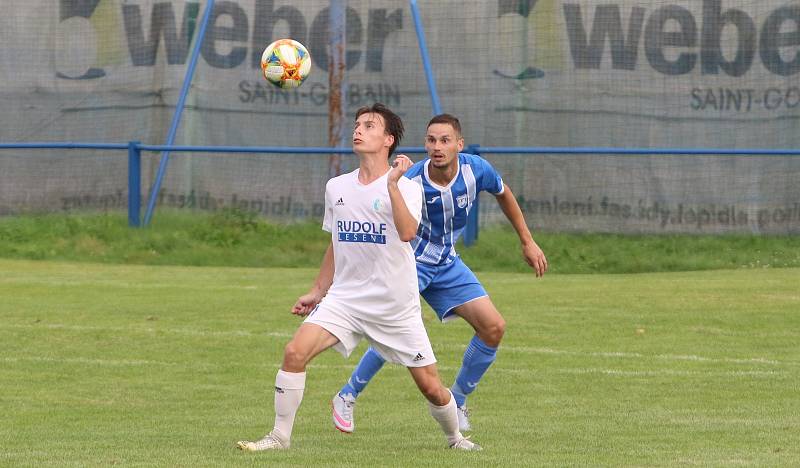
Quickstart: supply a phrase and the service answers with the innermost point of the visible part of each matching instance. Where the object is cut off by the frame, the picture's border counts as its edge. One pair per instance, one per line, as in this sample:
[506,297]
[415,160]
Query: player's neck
[372,167]
[442,175]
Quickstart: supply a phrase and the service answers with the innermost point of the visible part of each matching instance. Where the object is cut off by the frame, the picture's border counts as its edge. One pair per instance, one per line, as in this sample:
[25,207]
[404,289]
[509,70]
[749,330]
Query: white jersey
[375,275]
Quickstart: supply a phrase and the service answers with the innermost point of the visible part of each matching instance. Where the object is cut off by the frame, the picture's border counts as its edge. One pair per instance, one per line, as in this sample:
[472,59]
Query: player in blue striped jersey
[451,181]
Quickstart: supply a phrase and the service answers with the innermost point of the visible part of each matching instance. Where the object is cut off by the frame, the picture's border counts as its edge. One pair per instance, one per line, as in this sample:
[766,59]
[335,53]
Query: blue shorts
[445,287]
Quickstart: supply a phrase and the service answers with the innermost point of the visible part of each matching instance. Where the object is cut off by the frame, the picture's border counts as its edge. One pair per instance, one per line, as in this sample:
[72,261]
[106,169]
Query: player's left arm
[530,250]
[404,221]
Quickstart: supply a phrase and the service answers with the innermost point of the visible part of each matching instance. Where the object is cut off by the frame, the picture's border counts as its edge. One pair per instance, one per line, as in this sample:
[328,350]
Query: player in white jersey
[367,283]
[451,181]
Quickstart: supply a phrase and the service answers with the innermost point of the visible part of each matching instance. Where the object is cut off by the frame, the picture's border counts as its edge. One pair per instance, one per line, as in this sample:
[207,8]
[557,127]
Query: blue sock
[477,359]
[369,365]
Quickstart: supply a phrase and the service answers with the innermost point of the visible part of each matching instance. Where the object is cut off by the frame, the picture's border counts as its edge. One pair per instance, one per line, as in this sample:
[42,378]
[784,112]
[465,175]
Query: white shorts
[404,343]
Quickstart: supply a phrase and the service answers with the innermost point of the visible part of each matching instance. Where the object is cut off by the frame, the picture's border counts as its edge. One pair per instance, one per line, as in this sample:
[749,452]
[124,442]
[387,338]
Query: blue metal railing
[405,149]
[638,151]
[134,149]
[62,145]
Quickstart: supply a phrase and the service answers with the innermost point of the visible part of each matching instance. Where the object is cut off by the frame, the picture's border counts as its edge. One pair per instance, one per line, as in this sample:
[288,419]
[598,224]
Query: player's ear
[460,144]
[389,140]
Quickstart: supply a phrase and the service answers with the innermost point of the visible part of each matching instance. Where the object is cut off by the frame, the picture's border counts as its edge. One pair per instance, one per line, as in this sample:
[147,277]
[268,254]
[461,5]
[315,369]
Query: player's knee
[493,334]
[294,357]
[500,330]
[434,392]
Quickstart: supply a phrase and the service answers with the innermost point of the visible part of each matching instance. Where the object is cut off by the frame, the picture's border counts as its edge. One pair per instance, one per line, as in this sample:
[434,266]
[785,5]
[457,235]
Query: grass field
[169,366]
[243,239]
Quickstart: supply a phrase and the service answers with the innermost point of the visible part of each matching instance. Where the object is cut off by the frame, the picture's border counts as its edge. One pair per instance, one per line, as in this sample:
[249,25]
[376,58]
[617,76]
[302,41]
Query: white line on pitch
[628,355]
[177,331]
[98,362]
[503,348]
[349,366]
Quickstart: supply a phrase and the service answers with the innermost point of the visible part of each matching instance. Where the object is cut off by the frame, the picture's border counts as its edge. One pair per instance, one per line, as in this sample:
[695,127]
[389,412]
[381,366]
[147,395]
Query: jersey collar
[452,181]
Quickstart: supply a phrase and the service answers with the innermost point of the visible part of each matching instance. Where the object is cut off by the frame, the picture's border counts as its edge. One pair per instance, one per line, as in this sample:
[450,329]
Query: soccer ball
[286,63]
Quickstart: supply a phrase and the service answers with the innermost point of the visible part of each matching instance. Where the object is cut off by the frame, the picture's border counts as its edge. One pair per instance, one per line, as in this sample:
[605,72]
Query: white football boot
[269,442]
[342,406]
[466,444]
[463,419]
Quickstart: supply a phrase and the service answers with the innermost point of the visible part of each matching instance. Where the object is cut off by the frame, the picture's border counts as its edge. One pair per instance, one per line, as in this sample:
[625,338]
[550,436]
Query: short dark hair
[393,125]
[448,119]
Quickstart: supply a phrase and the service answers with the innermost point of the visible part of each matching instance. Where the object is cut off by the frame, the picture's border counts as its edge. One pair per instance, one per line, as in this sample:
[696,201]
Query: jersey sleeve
[415,170]
[488,178]
[412,194]
[327,220]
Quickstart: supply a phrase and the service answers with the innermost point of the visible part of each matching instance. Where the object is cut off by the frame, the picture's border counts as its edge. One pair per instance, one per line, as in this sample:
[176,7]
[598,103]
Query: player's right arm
[405,222]
[307,302]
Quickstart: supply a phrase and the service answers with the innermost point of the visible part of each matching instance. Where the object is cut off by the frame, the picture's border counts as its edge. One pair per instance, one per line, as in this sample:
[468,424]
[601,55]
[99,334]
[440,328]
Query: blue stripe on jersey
[445,209]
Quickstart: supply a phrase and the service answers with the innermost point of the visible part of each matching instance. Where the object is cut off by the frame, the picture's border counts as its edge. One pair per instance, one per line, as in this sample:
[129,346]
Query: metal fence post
[176,117]
[426,61]
[134,183]
[337,84]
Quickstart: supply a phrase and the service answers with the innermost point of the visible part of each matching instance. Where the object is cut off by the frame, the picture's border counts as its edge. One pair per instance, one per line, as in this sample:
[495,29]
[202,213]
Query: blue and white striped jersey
[445,209]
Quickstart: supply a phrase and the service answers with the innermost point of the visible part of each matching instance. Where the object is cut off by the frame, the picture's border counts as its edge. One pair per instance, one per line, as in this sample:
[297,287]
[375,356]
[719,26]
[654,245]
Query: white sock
[447,417]
[289,388]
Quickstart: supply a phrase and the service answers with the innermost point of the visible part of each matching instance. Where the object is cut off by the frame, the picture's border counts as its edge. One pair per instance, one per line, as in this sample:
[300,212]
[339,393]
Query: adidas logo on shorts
[418,357]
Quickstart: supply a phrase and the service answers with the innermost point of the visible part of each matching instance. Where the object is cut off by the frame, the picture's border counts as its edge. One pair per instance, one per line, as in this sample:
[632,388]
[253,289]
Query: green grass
[228,238]
[169,366]
[234,238]
[497,250]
